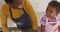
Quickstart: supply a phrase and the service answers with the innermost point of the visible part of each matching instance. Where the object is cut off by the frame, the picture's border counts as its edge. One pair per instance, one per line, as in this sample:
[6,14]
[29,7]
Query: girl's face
[51,11]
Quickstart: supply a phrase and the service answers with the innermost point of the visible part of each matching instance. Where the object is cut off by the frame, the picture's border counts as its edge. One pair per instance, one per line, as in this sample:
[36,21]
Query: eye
[51,11]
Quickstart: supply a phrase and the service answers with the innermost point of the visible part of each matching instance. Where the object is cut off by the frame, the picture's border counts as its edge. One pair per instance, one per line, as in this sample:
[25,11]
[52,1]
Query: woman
[15,6]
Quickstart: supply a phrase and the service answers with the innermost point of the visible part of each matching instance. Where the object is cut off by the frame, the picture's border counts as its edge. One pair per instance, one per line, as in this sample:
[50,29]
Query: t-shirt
[54,24]
[50,21]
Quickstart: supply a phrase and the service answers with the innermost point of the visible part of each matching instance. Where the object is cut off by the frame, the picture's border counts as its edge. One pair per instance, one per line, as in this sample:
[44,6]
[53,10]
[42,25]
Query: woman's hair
[55,4]
[9,1]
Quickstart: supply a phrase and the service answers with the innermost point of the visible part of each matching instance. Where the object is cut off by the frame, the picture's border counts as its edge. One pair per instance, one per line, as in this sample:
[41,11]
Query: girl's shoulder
[44,18]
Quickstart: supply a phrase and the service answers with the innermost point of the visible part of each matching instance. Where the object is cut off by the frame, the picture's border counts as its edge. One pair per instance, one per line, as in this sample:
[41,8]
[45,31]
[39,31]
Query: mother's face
[16,3]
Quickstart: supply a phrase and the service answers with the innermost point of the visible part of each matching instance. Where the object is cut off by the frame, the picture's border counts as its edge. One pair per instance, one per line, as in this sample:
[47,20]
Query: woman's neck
[21,5]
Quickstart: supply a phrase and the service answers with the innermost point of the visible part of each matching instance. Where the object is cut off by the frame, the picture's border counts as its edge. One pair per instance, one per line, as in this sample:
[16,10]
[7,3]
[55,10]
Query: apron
[50,28]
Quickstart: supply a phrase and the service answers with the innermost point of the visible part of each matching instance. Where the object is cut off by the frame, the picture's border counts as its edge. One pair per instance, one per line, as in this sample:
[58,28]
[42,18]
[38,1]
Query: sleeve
[43,21]
[4,19]
[32,15]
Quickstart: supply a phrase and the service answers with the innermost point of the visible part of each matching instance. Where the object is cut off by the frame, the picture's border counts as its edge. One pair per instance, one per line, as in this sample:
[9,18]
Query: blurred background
[38,5]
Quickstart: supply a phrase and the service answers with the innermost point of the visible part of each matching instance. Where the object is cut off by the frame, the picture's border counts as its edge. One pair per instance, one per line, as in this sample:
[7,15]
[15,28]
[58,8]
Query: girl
[49,22]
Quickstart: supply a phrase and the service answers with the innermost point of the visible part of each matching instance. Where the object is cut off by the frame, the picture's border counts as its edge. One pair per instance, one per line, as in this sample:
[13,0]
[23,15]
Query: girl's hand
[58,28]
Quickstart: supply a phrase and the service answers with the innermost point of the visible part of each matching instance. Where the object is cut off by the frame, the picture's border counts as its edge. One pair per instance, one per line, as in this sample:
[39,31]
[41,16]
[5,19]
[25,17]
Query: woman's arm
[4,20]
[30,11]
[42,28]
